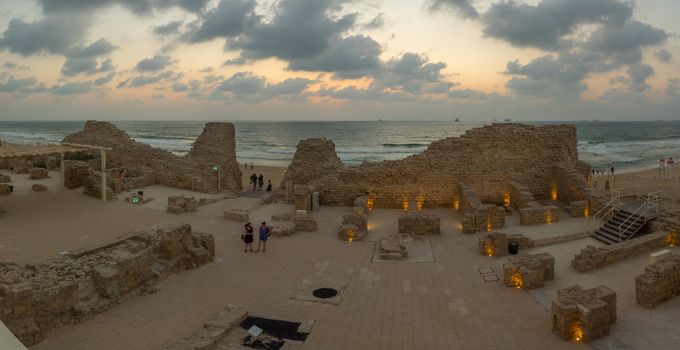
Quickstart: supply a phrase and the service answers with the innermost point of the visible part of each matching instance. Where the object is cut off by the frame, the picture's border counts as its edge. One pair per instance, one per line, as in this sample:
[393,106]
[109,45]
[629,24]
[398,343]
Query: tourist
[247,237]
[264,234]
[253,180]
[251,166]
[260,182]
[611,169]
[269,185]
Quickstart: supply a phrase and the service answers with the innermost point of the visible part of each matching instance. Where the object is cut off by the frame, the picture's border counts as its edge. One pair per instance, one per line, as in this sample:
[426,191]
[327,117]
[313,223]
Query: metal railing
[651,203]
[607,209]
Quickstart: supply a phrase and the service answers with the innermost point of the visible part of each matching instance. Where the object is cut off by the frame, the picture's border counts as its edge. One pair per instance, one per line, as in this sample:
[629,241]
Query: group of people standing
[258,182]
[247,237]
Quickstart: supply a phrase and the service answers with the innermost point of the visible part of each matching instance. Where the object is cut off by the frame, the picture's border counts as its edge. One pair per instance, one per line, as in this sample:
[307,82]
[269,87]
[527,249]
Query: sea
[626,145]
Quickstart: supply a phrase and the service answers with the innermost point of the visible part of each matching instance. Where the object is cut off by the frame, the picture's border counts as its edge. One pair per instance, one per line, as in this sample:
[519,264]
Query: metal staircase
[626,220]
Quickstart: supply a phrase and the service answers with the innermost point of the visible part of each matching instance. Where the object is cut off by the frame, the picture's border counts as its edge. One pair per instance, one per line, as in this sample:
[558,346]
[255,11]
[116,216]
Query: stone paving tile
[443,305]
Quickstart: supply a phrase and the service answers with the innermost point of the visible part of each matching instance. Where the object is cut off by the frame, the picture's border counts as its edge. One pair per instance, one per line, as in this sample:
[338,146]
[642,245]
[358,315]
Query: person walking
[269,185]
[260,182]
[247,237]
[253,180]
[264,235]
[252,166]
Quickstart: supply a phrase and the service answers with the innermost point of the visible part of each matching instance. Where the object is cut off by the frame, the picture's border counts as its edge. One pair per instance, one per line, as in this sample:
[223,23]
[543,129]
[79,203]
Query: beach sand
[269,172]
[644,181]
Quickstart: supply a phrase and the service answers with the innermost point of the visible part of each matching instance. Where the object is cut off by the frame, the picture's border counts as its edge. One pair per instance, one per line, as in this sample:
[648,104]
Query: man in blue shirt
[264,234]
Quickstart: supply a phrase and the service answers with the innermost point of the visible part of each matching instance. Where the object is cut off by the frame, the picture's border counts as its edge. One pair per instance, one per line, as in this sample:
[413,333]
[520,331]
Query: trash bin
[513,248]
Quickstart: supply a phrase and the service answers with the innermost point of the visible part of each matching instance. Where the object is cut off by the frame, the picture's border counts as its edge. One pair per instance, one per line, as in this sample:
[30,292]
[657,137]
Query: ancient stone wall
[591,258]
[530,211]
[35,298]
[484,158]
[419,224]
[659,283]
[195,171]
[529,271]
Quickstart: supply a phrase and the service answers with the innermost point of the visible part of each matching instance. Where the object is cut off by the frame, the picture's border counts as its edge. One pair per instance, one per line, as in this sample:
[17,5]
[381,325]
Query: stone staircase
[626,222]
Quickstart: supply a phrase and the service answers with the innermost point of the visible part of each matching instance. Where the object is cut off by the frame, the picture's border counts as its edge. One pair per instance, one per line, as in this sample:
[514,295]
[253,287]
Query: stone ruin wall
[216,145]
[67,289]
[485,159]
[659,283]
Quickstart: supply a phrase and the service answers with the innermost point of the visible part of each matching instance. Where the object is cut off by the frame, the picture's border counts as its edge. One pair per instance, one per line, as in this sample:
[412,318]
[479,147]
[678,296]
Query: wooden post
[63,172]
[103,169]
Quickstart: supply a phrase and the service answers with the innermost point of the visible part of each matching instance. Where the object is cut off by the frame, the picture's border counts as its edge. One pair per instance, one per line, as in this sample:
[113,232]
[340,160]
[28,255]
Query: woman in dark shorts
[247,237]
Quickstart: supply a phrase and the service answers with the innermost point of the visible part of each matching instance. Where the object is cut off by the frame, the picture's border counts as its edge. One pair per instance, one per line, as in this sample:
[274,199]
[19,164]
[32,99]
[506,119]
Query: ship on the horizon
[456,120]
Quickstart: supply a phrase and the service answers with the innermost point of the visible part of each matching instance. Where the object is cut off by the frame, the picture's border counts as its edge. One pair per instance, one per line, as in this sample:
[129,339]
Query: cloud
[377,22]
[156,63]
[136,6]
[228,19]
[546,24]
[638,74]
[673,87]
[21,85]
[247,86]
[54,34]
[663,55]
[624,41]
[84,59]
[15,66]
[462,7]
[72,88]
[103,80]
[143,80]
[351,57]
[470,94]
[170,28]
[547,76]
[413,73]
[239,61]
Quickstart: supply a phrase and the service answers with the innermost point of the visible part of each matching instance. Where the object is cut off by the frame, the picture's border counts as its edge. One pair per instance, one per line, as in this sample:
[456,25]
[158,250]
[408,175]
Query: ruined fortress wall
[216,145]
[484,158]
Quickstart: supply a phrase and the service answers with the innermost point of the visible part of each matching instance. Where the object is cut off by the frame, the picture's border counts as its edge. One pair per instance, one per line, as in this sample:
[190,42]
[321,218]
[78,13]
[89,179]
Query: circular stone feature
[325,293]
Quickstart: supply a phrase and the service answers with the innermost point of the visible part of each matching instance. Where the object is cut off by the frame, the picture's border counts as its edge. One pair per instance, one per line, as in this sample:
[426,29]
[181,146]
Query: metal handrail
[612,205]
[631,224]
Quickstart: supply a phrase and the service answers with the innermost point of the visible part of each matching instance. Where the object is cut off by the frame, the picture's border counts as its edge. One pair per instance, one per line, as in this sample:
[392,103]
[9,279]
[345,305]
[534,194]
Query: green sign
[136,200]
[215,168]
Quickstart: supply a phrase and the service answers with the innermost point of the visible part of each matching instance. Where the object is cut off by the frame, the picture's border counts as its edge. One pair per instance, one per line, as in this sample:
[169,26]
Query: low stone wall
[35,298]
[305,223]
[583,314]
[5,178]
[477,215]
[38,173]
[529,271]
[182,204]
[591,258]
[241,215]
[358,220]
[75,173]
[419,224]
[530,211]
[659,283]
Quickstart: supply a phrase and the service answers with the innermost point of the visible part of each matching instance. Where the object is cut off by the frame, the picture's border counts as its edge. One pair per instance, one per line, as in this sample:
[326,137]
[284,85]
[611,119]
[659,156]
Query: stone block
[661,254]
[358,220]
[394,246]
[349,232]
[419,224]
[305,224]
[468,223]
[583,314]
[39,188]
[4,189]
[660,282]
[5,178]
[21,166]
[283,229]
[493,244]
[38,173]
[529,271]
[240,215]
[284,216]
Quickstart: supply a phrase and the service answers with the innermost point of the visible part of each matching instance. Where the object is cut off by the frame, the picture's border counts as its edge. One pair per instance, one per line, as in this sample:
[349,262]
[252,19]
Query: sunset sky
[339,59]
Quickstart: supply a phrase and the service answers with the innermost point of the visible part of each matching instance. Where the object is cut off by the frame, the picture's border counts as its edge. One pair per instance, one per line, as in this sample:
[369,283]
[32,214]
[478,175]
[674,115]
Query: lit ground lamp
[370,203]
[404,205]
[516,280]
[456,203]
[672,239]
[548,217]
[576,330]
[553,192]
[489,248]
[506,200]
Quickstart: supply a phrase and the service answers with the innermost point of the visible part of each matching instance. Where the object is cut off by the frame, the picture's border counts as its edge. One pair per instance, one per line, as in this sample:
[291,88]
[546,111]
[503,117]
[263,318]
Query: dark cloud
[639,73]
[463,7]
[624,41]
[21,85]
[54,34]
[73,88]
[156,63]
[546,24]
[351,57]
[143,80]
[103,80]
[239,61]
[85,59]
[170,28]
[228,19]
[413,73]
[371,94]
[673,87]
[248,86]
[663,55]
[547,76]
[136,6]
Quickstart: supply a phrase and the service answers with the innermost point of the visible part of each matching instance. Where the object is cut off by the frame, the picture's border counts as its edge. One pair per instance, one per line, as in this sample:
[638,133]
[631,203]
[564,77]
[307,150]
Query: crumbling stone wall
[35,298]
[530,211]
[659,283]
[215,146]
[572,186]
[583,314]
[75,173]
[485,159]
[417,223]
[591,258]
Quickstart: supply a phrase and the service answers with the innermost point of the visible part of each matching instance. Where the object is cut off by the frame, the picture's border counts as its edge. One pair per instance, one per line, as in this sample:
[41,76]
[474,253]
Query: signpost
[217,169]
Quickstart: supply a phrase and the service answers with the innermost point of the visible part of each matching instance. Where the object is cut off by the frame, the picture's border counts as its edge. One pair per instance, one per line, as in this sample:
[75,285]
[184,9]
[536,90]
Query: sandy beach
[275,174]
